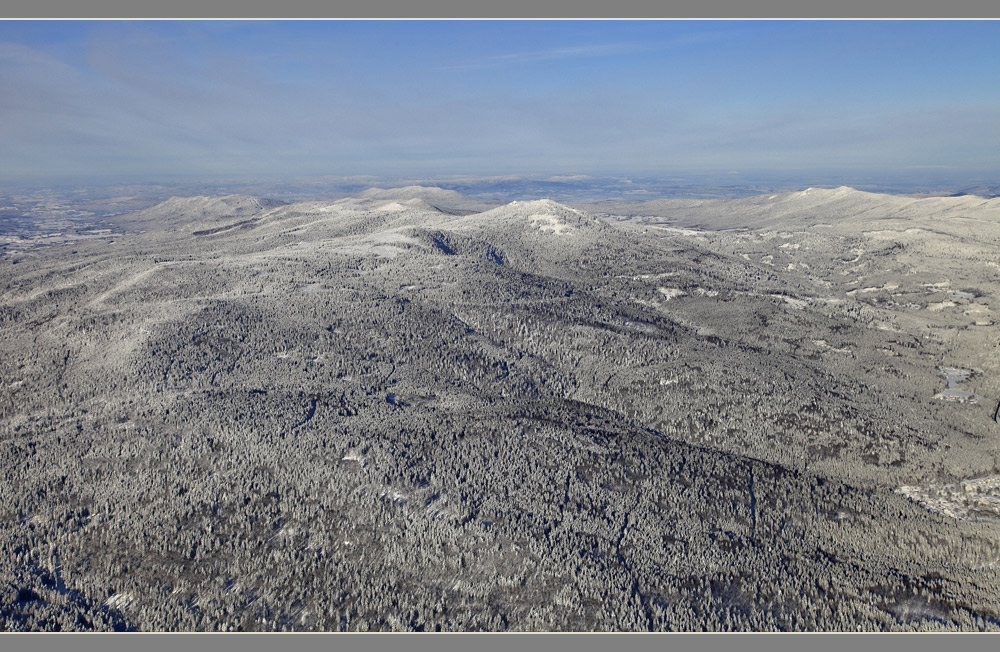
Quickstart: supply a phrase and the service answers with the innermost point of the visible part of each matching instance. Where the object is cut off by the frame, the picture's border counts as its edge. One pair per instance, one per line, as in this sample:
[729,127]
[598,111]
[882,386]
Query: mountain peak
[436,198]
[427,193]
[226,203]
[185,210]
[545,215]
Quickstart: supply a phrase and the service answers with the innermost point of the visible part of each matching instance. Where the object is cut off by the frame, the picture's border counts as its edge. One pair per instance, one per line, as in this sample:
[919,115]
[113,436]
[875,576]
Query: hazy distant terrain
[413,409]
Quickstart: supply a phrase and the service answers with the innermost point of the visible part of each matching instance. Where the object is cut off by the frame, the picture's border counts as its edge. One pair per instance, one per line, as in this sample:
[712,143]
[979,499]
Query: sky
[285,99]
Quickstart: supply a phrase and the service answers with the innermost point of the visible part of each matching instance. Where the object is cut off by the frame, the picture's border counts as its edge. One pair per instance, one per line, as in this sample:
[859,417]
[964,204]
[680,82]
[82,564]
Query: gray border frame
[510,9]
[486,642]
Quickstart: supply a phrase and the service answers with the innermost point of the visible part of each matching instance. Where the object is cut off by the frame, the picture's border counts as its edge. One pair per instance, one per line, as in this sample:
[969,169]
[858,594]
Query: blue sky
[286,99]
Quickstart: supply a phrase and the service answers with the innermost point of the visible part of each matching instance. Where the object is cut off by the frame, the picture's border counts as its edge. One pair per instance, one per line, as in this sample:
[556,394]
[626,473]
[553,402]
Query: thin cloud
[600,50]
[557,54]
[591,50]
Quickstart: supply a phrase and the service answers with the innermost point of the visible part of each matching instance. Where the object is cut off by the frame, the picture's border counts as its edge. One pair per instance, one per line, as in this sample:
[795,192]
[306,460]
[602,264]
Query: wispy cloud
[597,50]
[564,53]
[593,50]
